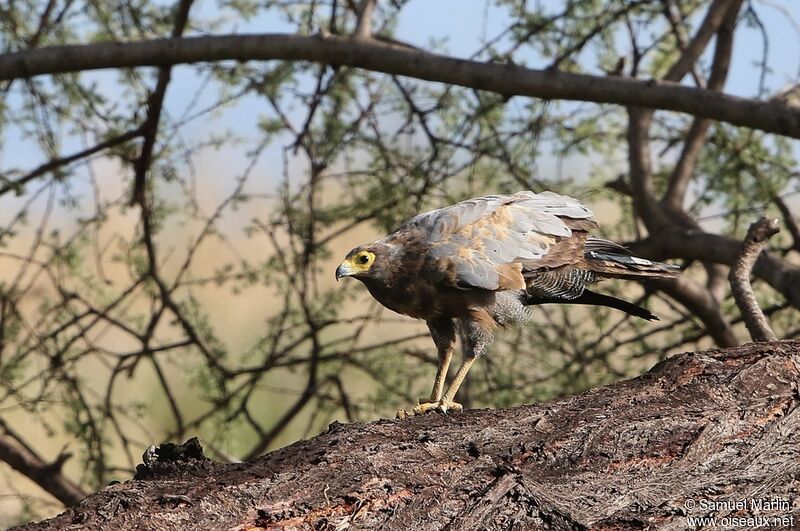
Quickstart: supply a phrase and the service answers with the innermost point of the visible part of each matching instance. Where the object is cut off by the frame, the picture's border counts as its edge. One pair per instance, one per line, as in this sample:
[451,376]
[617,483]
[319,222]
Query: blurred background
[168,237]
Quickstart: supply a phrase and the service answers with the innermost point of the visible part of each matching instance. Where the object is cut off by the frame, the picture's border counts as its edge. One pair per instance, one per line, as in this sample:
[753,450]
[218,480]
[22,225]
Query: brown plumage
[480,263]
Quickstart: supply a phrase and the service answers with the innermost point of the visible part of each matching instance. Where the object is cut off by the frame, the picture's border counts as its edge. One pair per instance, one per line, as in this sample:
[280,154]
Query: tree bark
[757,235]
[773,116]
[700,434]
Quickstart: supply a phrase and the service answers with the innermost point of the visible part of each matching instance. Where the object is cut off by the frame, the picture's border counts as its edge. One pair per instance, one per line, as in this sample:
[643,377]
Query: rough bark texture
[702,428]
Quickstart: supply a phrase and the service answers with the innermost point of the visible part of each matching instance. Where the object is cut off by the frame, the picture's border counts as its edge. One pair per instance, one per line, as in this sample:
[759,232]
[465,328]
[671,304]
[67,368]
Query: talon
[444,407]
[425,407]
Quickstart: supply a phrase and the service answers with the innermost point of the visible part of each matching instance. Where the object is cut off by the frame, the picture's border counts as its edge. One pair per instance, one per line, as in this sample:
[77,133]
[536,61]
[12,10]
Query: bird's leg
[477,336]
[450,394]
[443,333]
[445,403]
[445,355]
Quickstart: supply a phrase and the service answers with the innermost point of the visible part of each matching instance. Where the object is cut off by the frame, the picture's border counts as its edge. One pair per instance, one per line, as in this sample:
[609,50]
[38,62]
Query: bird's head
[364,263]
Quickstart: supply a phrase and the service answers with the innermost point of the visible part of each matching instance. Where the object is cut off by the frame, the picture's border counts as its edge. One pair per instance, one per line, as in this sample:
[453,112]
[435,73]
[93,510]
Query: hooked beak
[344,270]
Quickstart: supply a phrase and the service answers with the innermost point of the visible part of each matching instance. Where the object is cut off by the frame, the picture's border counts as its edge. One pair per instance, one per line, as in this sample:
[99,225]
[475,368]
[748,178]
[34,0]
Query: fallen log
[707,434]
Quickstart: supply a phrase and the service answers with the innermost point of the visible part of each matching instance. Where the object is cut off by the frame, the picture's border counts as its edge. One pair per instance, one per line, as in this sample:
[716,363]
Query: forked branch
[47,475]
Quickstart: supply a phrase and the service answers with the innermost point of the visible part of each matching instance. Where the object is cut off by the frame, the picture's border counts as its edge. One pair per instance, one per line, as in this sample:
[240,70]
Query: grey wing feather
[601,245]
[444,221]
[474,237]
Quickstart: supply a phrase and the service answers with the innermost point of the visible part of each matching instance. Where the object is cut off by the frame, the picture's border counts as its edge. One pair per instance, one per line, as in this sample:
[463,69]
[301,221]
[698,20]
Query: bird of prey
[481,263]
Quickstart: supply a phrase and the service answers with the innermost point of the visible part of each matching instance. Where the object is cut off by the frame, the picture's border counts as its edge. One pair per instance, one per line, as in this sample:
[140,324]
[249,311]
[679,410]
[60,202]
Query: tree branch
[713,20]
[755,320]
[641,172]
[695,139]
[713,248]
[54,164]
[790,222]
[684,168]
[364,27]
[654,217]
[707,427]
[508,79]
[47,475]
[154,104]
[699,300]
[675,20]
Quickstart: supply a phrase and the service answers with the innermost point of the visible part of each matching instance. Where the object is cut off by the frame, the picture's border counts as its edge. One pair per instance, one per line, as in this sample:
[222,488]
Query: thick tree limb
[770,116]
[674,17]
[696,431]
[755,320]
[684,168]
[717,249]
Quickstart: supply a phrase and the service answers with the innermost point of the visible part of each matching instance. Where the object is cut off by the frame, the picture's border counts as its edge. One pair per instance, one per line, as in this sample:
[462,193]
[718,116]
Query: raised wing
[490,242]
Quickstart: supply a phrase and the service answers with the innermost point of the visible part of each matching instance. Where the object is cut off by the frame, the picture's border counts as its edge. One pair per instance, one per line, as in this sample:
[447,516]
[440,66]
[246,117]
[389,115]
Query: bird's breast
[415,288]
[415,298]
[425,300]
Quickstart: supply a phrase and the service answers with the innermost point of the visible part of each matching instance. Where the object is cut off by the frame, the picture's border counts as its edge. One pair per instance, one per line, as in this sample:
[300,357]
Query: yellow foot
[424,407]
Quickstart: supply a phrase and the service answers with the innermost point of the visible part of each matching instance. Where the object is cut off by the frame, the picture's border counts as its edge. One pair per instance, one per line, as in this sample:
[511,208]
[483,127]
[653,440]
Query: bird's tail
[598,299]
[593,299]
[626,266]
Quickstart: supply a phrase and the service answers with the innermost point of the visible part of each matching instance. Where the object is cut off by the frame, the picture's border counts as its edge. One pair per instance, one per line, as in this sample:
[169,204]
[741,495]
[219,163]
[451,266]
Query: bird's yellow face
[357,263]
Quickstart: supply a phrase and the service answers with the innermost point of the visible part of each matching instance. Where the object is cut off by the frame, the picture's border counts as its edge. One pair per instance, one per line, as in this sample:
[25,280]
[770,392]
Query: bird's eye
[363,259]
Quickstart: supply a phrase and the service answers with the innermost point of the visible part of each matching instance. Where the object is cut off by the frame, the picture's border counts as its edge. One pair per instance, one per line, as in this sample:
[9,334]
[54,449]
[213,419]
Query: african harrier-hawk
[480,263]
